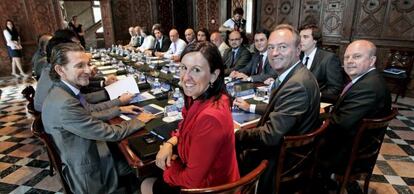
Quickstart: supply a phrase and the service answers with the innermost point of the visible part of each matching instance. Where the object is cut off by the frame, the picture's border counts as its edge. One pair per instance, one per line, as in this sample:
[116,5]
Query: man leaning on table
[80,138]
[176,47]
[293,106]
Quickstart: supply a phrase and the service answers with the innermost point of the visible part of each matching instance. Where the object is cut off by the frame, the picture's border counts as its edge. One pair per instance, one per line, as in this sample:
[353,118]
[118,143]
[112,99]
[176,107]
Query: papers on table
[122,86]
[242,118]
[324,104]
[109,71]
[142,97]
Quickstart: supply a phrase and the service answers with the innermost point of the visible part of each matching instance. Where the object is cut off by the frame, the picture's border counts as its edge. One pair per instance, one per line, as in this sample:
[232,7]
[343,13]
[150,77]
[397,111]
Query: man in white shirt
[236,23]
[217,40]
[133,39]
[149,40]
[176,47]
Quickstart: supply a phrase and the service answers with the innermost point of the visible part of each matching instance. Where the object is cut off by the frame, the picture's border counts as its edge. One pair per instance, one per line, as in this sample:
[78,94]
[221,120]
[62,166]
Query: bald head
[189,35]
[137,30]
[359,58]
[174,35]
[216,39]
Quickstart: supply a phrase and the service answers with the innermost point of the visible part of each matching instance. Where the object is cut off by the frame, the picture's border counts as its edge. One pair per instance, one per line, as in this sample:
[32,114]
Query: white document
[127,84]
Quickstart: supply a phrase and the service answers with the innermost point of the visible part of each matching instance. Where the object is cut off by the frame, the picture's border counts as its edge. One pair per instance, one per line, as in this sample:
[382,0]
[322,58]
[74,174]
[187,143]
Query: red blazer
[206,147]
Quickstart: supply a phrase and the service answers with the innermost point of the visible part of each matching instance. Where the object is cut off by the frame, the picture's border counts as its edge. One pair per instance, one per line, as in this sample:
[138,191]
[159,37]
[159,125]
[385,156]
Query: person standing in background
[77,28]
[14,47]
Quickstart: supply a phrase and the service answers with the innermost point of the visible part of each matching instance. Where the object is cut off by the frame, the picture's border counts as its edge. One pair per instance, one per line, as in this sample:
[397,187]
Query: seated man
[217,40]
[236,57]
[80,138]
[190,36]
[148,41]
[366,96]
[293,107]
[134,38]
[162,43]
[176,47]
[259,69]
[39,59]
[323,64]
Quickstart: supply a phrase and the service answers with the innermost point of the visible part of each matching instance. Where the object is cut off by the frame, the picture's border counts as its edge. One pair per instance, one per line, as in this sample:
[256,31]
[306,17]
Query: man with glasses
[236,57]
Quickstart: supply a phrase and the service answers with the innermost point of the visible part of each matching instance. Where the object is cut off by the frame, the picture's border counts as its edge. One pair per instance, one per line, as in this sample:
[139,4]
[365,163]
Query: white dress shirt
[176,48]
[310,60]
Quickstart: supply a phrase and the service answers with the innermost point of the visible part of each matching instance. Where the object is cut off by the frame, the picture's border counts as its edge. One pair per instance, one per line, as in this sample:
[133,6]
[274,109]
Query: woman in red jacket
[205,139]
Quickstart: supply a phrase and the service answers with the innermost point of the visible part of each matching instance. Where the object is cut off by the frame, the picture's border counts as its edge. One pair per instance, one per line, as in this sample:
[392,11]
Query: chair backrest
[29,93]
[367,143]
[245,185]
[297,157]
[38,131]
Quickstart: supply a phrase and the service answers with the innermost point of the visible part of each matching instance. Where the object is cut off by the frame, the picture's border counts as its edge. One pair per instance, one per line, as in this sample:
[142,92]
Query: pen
[159,136]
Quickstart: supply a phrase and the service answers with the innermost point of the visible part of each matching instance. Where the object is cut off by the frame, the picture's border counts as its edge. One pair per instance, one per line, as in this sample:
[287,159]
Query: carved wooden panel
[208,10]
[120,18]
[401,20]
[369,18]
[332,17]
[278,12]
[42,22]
[310,12]
[142,13]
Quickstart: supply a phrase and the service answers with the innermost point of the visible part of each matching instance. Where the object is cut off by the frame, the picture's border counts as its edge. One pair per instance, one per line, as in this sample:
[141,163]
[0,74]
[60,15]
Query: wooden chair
[401,60]
[29,93]
[54,158]
[245,185]
[297,160]
[365,154]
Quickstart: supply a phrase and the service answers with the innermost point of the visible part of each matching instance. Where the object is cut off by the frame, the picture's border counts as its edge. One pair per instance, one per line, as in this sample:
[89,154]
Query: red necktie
[346,88]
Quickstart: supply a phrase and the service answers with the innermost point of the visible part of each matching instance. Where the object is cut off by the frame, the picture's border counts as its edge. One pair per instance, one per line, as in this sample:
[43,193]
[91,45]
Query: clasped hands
[143,116]
[165,155]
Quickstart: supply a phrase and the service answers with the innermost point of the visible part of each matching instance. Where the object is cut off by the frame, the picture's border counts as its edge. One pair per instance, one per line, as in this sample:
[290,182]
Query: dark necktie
[233,57]
[276,84]
[346,88]
[260,65]
[306,61]
[157,46]
[81,99]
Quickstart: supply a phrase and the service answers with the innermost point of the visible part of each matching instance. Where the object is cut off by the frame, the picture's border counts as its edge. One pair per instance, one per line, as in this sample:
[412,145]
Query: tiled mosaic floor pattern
[24,164]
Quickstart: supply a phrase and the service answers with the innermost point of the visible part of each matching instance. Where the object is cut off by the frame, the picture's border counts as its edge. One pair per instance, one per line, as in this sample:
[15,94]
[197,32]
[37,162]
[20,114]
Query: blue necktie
[81,99]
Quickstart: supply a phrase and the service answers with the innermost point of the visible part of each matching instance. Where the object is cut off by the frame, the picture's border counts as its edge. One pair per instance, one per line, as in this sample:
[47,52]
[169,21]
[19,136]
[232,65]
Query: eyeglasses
[235,39]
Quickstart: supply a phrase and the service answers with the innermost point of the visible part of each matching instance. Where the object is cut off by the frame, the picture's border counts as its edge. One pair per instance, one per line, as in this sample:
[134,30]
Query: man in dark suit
[293,107]
[259,69]
[162,43]
[325,65]
[366,96]
[236,57]
[80,137]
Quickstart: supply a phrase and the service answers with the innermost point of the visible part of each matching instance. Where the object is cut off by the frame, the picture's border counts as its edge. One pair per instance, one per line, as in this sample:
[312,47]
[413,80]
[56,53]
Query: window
[96,8]
[248,15]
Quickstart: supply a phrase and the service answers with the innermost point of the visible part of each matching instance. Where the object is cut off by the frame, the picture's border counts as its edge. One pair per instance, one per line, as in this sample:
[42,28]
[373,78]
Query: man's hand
[110,79]
[130,109]
[125,98]
[269,81]
[233,74]
[159,54]
[242,104]
[242,76]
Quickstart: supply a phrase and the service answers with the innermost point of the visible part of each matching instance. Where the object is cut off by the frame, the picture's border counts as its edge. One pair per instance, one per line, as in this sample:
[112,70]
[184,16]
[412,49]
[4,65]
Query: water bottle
[178,98]
[142,77]
[156,86]
[177,94]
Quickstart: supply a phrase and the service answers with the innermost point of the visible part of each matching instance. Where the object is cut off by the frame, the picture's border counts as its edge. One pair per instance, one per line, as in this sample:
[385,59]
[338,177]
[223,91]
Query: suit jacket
[164,47]
[369,97]
[44,85]
[242,58]
[293,109]
[80,141]
[251,69]
[327,69]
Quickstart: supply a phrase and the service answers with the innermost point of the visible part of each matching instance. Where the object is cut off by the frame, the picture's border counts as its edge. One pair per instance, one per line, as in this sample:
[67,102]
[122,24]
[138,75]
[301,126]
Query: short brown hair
[316,33]
[59,57]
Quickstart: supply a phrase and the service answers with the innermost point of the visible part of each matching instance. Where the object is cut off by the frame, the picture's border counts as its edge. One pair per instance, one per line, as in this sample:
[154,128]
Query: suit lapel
[64,87]
[273,99]
[316,59]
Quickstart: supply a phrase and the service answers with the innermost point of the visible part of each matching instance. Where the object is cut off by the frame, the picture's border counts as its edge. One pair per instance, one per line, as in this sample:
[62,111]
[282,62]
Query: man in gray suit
[293,107]
[80,138]
[259,69]
[236,57]
[323,64]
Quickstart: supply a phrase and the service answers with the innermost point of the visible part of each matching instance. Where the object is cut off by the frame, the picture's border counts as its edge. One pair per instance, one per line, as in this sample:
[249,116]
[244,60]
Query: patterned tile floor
[24,164]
